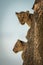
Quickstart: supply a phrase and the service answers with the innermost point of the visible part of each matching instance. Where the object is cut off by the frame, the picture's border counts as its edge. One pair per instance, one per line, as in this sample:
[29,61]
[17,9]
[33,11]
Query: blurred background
[11,30]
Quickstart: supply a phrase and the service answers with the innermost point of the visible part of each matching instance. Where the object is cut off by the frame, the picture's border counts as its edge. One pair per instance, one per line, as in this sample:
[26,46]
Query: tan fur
[24,17]
[33,48]
[19,46]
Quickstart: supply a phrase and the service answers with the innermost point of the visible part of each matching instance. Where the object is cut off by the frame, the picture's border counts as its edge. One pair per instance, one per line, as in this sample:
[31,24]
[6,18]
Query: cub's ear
[16,13]
[27,11]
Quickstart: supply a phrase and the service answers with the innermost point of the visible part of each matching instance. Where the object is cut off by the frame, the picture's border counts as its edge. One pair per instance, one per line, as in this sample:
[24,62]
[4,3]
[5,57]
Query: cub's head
[38,5]
[18,46]
[23,16]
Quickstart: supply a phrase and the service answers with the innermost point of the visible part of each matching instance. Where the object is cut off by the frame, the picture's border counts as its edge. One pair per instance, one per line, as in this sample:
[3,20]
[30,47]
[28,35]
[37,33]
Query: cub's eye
[16,45]
[23,17]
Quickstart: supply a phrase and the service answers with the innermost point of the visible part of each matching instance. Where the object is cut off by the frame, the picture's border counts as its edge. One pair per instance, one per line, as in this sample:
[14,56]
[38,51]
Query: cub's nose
[15,50]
